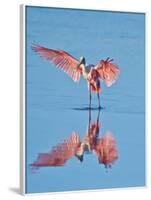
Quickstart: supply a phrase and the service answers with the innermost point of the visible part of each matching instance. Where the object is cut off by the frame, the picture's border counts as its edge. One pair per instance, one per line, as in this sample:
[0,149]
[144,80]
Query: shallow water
[56,106]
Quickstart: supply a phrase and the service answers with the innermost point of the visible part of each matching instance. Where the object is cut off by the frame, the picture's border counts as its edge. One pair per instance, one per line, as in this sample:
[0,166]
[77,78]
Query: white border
[104,5]
[9,87]
[22,138]
[22,97]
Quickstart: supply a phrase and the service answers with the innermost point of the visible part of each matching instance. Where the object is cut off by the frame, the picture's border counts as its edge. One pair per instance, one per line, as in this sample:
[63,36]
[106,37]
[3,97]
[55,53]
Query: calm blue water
[55,103]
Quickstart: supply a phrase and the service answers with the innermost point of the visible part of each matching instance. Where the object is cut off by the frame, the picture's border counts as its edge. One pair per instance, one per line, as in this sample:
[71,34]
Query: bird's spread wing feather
[108,71]
[106,149]
[62,60]
[59,153]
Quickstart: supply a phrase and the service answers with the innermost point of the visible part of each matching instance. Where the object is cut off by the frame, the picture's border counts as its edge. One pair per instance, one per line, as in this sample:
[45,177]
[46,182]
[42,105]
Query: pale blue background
[55,103]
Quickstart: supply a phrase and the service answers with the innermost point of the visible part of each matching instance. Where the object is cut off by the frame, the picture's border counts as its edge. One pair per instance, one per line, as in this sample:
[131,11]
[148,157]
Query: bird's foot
[99,107]
[90,108]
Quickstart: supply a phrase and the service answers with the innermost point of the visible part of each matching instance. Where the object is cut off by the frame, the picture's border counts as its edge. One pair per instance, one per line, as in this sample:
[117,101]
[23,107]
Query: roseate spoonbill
[105,70]
[104,148]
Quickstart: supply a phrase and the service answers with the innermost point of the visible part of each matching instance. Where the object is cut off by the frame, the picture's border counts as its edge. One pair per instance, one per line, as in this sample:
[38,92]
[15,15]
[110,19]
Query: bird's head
[80,157]
[80,152]
[82,60]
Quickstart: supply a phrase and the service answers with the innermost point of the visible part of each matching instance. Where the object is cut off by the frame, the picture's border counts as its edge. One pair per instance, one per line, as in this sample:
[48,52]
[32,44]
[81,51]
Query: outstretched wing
[108,71]
[61,59]
[106,149]
[59,154]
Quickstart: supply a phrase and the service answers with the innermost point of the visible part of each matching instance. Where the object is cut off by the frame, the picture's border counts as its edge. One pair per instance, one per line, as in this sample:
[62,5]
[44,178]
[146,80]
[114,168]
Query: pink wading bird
[105,70]
[104,148]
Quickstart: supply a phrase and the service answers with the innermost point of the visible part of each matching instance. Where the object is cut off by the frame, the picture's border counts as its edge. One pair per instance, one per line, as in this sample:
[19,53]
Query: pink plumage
[61,60]
[105,70]
[106,150]
[108,71]
[59,154]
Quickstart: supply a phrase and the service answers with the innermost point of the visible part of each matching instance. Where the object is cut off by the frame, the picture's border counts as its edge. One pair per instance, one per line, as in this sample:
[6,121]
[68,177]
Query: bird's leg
[99,100]
[90,97]
[89,119]
[98,117]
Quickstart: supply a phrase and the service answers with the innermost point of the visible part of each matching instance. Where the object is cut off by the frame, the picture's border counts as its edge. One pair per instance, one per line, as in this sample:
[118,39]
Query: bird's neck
[84,71]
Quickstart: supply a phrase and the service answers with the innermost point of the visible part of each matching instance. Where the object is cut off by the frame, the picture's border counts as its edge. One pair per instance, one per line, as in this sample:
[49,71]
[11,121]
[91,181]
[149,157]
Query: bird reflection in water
[104,148]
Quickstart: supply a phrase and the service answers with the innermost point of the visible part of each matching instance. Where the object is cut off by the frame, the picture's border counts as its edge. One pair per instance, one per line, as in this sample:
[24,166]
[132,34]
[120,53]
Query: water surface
[56,106]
